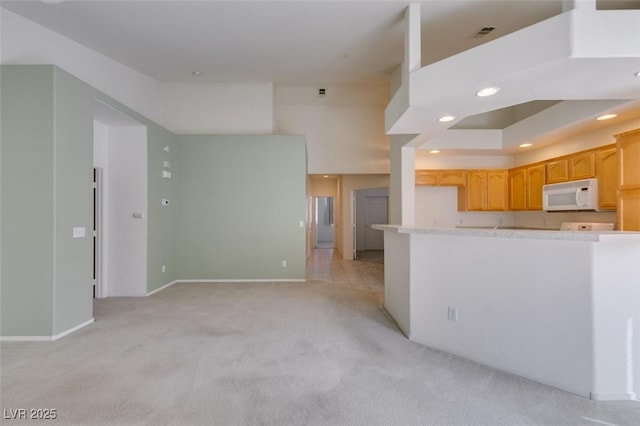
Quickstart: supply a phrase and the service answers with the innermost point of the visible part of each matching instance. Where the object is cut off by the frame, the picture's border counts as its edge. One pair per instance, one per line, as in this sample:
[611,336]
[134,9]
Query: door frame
[98,233]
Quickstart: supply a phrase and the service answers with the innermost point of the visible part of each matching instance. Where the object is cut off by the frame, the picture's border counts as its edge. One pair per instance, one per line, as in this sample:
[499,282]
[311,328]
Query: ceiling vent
[322,92]
[483,32]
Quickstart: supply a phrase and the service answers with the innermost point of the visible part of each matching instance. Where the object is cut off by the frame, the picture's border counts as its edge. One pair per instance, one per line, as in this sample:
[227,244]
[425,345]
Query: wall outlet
[284,263]
[164,268]
[452,314]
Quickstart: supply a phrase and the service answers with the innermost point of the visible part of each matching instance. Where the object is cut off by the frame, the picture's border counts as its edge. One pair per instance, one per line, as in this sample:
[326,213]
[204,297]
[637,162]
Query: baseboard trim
[262,280]
[25,338]
[45,338]
[631,396]
[71,330]
[162,288]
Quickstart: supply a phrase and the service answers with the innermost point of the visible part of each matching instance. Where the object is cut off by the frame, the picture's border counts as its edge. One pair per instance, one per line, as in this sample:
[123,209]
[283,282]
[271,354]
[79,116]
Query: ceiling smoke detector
[322,92]
[483,32]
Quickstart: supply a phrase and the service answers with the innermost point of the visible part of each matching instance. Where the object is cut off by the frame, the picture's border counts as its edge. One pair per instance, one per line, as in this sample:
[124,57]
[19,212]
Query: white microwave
[571,196]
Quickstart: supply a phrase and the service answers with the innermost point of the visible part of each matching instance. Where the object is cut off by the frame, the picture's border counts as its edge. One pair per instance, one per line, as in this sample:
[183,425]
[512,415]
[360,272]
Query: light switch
[79,232]
[166,164]
[138,215]
[301,224]
[166,174]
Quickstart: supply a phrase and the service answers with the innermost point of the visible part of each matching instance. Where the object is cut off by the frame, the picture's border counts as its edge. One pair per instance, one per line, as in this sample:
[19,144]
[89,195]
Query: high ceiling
[285,42]
[315,42]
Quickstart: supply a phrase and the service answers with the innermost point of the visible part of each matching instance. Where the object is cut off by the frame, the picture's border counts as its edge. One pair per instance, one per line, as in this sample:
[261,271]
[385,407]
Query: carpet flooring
[315,353]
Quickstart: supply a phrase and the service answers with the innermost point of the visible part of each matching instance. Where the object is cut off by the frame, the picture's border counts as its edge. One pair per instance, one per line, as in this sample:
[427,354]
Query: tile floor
[327,266]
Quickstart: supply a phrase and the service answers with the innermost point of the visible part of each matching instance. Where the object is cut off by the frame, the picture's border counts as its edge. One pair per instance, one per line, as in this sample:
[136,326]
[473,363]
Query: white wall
[127,268]
[181,108]
[25,42]
[437,207]
[192,109]
[600,137]
[344,130]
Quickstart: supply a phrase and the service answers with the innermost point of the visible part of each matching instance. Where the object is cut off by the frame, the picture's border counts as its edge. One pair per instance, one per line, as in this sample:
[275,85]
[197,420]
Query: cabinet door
[607,174]
[629,210]
[629,160]
[497,190]
[451,177]
[629,181]
[517,186]
[426,177]
[557,171]
[582,166]
[476,190]
[535,181]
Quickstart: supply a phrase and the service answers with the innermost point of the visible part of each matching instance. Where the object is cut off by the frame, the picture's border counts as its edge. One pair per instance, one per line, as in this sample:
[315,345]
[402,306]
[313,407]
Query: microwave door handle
[578,196]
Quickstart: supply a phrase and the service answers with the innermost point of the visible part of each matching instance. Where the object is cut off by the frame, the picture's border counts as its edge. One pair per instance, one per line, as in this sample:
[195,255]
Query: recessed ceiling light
[606,117]
[196,73]
[525,145]
[487,91]
[434,151]
[446,118]
[637,74]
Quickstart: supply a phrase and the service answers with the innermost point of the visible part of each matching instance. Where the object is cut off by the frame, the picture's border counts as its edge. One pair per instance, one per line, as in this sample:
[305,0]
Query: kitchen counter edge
[595,236]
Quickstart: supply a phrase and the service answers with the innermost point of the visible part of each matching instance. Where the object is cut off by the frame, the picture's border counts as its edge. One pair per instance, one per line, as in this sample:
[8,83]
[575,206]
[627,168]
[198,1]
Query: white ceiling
[302,42]
[285,42]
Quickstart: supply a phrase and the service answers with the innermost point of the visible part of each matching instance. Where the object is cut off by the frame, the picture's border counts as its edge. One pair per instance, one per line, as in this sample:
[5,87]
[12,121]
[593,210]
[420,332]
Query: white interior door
[376,214]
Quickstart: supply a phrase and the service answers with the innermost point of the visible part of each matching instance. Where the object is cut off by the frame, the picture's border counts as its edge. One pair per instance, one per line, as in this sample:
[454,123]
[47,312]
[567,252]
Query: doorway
[371,208]
[120,203]
[324,222]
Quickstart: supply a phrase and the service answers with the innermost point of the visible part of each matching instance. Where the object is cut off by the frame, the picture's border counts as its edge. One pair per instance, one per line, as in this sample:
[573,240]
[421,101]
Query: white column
[402,181]
[412,48]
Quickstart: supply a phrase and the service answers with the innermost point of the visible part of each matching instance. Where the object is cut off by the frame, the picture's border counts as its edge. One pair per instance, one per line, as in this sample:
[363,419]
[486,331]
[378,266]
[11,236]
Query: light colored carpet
[270,354]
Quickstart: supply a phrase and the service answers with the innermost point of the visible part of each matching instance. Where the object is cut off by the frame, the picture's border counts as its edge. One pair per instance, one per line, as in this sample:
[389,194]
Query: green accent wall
[236,203]
[240,202]
[26,190]
[46,157]
[73,202]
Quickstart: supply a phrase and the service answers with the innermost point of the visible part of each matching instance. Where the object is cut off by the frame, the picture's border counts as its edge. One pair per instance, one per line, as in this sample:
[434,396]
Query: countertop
[532,234]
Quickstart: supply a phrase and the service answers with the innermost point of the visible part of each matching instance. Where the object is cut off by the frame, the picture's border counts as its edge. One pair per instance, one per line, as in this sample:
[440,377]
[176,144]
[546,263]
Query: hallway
[326,266]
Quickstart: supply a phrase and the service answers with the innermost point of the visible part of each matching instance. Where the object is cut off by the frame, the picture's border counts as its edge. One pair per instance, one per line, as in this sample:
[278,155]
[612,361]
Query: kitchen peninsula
[561,308]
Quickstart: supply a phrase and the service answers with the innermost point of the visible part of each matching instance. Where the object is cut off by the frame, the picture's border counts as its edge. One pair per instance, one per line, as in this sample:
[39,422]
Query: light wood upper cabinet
[451,177]
[582,165]
[628,145]
[497,190]
[486,190]
[441,177]
[557,171]
[535,180]
[426,177]
[517,189]
[475,191]
[607,174]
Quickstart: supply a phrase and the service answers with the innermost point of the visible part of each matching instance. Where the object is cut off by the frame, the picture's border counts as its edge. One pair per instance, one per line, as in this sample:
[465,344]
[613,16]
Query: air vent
[483,32]
[322,92]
